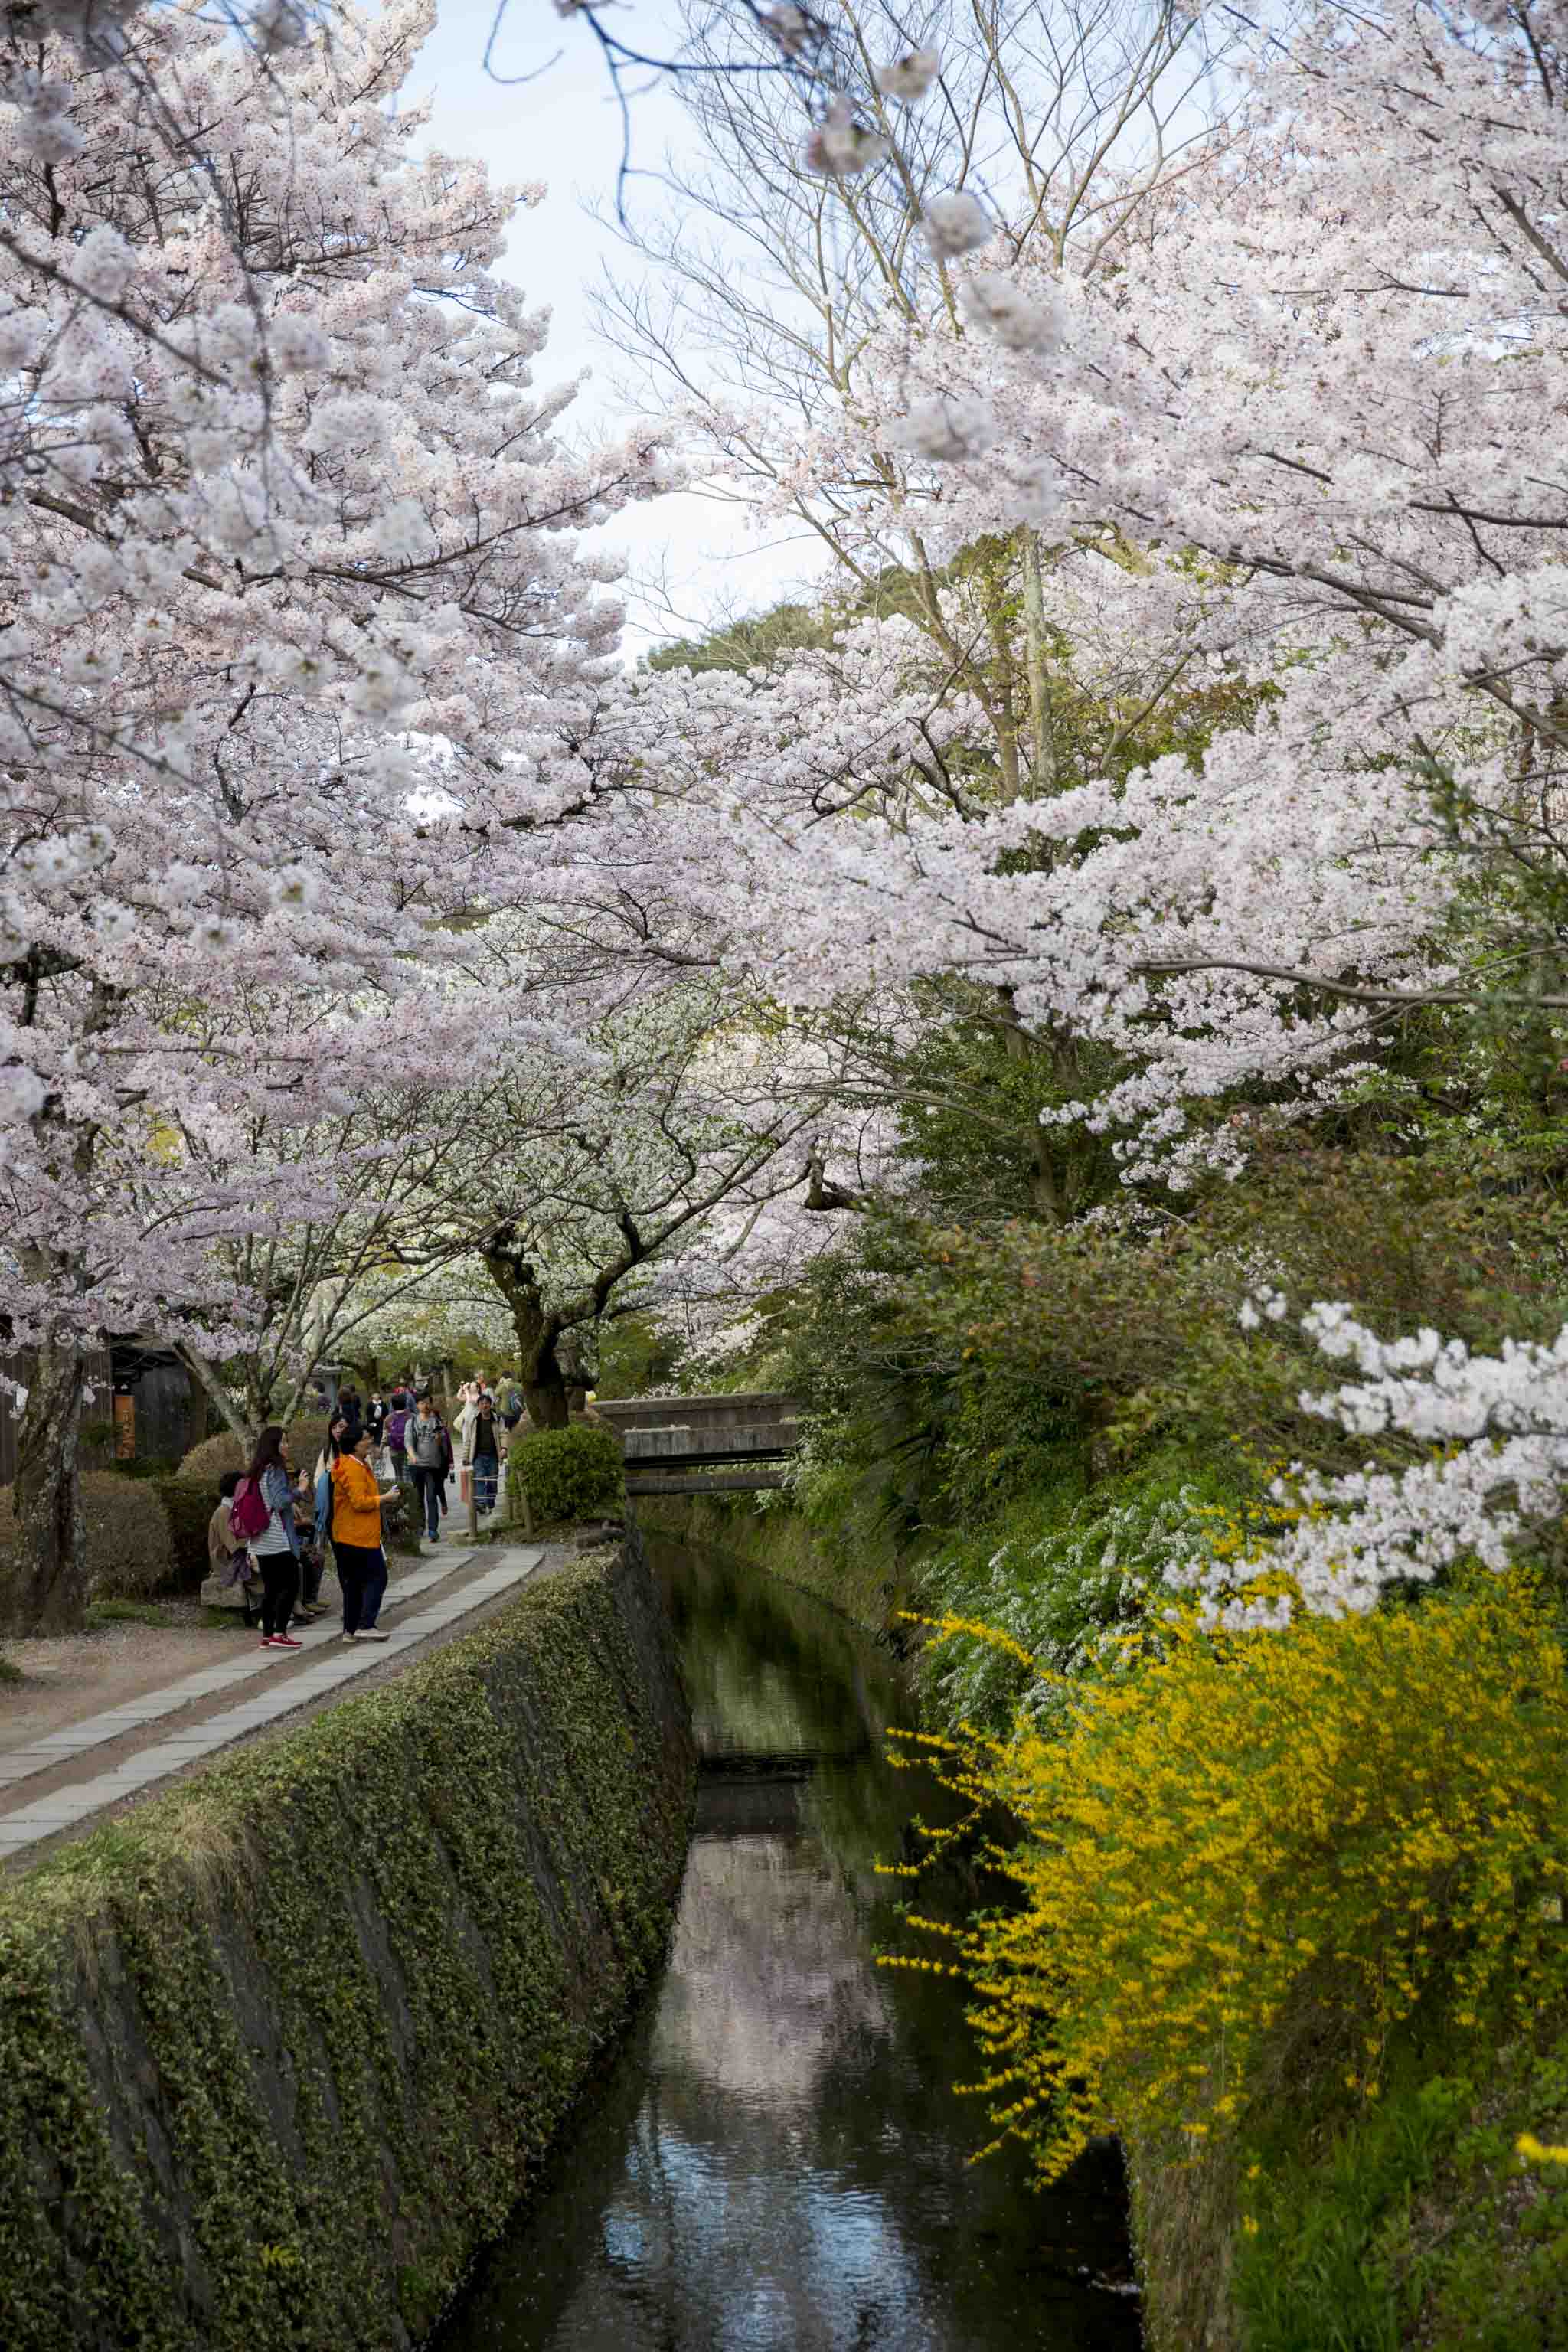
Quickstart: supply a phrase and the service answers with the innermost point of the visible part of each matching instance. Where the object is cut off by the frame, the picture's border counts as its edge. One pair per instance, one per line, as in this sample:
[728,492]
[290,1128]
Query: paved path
[337,1662]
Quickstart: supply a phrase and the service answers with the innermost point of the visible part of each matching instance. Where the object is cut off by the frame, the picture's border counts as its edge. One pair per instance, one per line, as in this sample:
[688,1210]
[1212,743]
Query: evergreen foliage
[130,1543]
[567,1474]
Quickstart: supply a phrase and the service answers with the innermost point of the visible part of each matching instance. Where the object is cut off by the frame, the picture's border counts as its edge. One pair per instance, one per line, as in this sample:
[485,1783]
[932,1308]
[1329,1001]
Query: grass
[10,1672]
[102,1613]
[1418,2225]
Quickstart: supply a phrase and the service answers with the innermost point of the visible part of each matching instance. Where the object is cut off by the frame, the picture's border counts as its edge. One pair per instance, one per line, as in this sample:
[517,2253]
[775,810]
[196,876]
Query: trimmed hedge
[129,1548]
[188,1507]
[204,1464]
[569,1474]
[280,2049]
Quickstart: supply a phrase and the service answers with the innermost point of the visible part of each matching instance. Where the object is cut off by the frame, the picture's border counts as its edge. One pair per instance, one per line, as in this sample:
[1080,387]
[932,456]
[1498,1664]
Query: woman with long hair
[335,1442]
[275,1549]
[356,1539]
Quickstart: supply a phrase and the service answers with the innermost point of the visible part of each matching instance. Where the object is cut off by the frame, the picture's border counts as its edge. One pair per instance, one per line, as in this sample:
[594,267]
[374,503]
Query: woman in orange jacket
[356,1540]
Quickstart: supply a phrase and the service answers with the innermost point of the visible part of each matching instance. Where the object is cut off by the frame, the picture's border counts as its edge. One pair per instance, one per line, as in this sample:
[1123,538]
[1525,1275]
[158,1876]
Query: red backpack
[250,1514]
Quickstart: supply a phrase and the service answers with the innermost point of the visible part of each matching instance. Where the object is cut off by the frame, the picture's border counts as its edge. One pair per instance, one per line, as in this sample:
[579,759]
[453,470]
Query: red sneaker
[284,1642]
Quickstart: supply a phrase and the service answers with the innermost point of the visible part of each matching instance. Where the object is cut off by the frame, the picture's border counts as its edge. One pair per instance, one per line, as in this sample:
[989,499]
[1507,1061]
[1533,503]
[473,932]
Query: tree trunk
[1042,749]
[544,1383]
[201,1372]
[196,1410]
[544,1394]
[43,1586]
[538,1333]
[1046,1193]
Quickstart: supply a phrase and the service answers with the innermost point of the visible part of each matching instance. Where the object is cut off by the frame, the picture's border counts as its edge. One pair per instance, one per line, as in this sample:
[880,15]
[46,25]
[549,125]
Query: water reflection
[774,2163]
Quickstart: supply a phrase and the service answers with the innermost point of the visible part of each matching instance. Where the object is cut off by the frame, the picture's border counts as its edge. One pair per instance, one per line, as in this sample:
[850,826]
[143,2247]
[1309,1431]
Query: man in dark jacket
[397,1433]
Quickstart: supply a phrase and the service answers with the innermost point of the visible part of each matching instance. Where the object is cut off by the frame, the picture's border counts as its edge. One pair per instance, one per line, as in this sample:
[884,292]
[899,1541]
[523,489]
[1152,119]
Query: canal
[775,2161]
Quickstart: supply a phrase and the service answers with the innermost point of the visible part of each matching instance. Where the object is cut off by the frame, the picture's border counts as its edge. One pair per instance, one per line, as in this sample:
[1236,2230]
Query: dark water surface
[775,2161]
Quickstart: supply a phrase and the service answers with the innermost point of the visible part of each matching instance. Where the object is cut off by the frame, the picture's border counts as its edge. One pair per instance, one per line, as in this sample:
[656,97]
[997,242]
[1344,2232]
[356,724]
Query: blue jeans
[429,1484]
[484,1469]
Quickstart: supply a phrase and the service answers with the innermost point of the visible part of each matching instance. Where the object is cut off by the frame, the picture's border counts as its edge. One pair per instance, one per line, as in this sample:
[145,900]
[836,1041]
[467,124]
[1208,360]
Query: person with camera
[356,1539]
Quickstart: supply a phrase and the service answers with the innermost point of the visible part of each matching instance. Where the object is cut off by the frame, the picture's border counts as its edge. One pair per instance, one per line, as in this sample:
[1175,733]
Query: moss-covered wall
[279,2050]
[779,1541]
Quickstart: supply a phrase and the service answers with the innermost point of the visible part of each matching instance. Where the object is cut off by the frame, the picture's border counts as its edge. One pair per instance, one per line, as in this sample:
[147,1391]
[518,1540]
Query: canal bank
[1416,2217]
[776,2161]
[859,1584]
[280,2050]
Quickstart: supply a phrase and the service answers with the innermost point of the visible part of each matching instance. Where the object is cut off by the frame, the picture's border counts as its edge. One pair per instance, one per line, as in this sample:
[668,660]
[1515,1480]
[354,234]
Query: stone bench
[218,1595]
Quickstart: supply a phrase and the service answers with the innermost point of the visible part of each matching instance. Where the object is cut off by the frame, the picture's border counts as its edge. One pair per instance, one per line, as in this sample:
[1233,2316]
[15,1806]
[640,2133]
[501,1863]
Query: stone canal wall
[280,2050]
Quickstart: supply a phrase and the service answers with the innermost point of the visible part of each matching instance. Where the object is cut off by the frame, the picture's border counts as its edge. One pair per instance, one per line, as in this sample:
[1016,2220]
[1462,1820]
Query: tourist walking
[481,1455]
[349,1403]
[376,1416]
[429,1453]
[356,1540]
[396,1434]
[262,1511]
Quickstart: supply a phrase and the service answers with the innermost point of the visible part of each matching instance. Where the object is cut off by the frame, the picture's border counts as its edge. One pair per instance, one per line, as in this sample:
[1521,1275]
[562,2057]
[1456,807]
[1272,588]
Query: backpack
[398,1429]
[250,1512]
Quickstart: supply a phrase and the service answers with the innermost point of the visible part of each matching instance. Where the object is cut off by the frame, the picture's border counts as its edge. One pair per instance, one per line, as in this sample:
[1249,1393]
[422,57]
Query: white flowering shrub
[1471,1466]
[1076,1597]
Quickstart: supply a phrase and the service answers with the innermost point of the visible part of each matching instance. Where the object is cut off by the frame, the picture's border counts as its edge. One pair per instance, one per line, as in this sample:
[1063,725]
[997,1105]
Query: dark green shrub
[569,1474]
[188,1507]
[204,1464]
[129,1552]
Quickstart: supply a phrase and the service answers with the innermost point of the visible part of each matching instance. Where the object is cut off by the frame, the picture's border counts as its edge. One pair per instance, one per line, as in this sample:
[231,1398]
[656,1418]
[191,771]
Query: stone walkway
[337,1662]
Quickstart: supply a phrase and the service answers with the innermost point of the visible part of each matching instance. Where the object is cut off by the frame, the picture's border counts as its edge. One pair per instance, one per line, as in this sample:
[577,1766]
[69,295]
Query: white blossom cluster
[1496,1431]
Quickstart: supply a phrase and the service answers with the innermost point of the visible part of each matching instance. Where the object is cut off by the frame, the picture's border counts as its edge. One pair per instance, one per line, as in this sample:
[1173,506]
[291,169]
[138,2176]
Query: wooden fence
[142,1405]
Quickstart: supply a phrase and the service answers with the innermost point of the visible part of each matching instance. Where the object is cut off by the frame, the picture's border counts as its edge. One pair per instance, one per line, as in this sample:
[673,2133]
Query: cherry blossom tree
[286,540]
[1299,421]
[1300,404]
[603,1180]
[1051,125]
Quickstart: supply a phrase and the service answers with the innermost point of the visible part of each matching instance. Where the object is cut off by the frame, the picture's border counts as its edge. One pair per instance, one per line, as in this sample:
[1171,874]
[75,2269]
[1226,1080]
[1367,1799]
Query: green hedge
[569,1474]
[279,2050]
[187,1507]
[128,1551]
[204,1464]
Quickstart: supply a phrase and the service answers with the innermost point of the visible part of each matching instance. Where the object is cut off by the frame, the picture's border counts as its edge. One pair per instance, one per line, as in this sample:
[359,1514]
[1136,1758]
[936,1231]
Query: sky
[563,128]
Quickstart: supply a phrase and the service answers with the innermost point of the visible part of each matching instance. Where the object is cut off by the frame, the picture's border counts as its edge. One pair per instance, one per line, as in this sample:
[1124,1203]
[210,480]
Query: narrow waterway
[775,2161]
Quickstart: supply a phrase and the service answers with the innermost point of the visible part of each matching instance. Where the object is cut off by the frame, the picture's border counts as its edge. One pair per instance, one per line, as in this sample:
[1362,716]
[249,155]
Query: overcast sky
[563,129]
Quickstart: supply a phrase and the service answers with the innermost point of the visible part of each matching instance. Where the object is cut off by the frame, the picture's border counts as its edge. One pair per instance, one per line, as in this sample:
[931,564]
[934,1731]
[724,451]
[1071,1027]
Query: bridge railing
[739,1440]
[749,1405]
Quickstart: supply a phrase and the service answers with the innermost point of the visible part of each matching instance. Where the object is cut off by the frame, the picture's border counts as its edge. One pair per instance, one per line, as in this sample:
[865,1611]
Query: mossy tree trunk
[43,1584]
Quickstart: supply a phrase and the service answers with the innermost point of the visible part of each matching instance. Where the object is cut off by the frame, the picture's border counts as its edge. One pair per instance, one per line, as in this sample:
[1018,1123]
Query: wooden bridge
[703,1444]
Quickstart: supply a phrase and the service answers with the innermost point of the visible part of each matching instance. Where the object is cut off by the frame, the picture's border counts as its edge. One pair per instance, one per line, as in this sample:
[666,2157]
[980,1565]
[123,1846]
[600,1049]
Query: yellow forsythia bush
[1324,1824]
